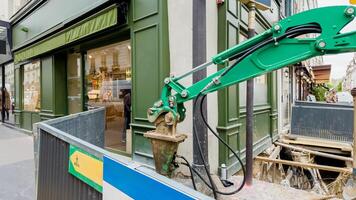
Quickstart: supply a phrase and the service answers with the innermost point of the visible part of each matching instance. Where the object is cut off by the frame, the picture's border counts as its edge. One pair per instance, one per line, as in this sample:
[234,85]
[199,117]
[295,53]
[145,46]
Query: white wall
[180,18]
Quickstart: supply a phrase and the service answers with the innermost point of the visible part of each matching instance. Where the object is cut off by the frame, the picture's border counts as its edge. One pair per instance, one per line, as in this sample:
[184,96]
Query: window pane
[108,84]
[31,86]
[260,87]
[10,92]
[74,83]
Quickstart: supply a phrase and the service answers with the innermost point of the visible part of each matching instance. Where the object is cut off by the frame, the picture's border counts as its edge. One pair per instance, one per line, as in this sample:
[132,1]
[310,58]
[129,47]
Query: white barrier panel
[124,182]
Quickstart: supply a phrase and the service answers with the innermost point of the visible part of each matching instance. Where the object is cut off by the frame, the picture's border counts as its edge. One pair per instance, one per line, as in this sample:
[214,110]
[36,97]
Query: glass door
[285,98]
[74,82]
[108,85]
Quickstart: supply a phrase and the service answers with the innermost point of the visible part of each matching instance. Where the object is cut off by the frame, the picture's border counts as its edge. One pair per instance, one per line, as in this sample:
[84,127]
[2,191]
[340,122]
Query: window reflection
[9,92]
[31,87]
[108,84]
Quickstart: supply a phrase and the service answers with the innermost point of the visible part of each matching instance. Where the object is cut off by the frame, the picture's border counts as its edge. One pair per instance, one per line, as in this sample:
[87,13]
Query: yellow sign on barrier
[86,167]
[353,1]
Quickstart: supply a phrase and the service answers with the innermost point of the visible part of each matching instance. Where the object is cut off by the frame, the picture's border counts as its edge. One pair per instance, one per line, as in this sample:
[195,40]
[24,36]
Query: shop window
[9,92]
[108,84]
[74,82]
[31,86]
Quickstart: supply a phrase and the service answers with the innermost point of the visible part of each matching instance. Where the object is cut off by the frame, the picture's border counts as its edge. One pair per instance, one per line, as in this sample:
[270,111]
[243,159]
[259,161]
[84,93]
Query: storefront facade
[82,58]
[116,54]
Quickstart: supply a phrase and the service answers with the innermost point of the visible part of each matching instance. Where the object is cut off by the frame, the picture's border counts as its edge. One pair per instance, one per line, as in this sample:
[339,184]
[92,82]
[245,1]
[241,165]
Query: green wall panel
[232,118]
[53,86]
[26,122]
[144,8]
[60,85]
[147,73]
[47,84]
[150,61]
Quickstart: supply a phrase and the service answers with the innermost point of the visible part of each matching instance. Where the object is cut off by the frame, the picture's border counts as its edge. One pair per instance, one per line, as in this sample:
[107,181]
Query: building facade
[116,54]
[295,81]
[349,81]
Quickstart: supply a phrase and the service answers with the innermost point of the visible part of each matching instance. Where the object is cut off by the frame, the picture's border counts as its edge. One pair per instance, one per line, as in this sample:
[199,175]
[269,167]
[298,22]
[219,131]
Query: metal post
[199,57]
[249,102]
[2,84]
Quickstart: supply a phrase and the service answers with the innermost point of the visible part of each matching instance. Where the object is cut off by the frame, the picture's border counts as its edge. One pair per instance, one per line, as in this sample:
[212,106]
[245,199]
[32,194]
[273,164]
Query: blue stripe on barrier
[137,185]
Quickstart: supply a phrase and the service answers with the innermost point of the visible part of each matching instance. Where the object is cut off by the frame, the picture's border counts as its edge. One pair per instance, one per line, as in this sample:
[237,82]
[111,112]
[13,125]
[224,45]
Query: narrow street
[17,180]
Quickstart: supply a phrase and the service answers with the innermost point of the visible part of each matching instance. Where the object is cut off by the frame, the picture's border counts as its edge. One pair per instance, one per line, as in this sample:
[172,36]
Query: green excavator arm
[280,46]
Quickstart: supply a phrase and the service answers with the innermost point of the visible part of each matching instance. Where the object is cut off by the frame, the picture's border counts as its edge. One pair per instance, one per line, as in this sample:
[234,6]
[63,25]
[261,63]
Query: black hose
[199,175]
[296,31]
[292,32]
[201,152]
[190,169]
[228,146]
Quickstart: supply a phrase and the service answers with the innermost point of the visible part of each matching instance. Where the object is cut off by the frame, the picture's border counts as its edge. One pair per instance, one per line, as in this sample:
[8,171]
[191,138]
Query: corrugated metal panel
[88,126]
[54,181]
[321,120]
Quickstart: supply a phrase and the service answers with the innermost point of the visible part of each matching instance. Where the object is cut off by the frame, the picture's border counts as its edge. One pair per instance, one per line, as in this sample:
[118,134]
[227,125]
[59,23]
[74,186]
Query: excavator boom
[282,45]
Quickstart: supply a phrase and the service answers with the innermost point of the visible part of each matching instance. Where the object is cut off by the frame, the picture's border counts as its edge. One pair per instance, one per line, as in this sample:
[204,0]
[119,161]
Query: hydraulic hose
[290,33]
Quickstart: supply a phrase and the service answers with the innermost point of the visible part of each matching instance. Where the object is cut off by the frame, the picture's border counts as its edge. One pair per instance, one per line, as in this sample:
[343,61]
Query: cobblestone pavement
[17,179]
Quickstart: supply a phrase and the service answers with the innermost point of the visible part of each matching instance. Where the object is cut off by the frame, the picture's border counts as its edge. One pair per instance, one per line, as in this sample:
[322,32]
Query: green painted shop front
[147,30]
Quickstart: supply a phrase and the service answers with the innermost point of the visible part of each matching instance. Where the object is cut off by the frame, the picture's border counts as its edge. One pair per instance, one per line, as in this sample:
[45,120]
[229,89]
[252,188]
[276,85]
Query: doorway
[7,97]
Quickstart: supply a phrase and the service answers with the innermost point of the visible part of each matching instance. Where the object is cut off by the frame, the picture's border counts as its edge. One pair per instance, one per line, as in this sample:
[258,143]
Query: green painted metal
[98,22]
[53,87]
[266,59]
[79,157]
[55,12]
[150,61]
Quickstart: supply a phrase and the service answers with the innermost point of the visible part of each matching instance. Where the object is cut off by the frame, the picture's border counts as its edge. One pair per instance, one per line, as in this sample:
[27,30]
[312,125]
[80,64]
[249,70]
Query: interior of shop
[107,83]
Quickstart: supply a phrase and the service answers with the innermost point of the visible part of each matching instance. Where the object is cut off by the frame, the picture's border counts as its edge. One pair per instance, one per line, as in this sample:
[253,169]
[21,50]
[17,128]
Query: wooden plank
[317,142]
[274,155]
[327,155]
[306,165]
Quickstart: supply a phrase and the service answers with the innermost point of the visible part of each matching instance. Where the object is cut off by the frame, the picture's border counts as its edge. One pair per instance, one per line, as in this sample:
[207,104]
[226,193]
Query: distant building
[295,81]
[349,80]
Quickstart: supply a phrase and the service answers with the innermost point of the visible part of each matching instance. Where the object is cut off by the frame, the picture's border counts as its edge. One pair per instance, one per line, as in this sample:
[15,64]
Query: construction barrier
[323,120]
[69,167]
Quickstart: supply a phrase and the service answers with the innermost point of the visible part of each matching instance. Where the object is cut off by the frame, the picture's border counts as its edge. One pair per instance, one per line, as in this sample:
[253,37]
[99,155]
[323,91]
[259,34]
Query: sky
[338,62]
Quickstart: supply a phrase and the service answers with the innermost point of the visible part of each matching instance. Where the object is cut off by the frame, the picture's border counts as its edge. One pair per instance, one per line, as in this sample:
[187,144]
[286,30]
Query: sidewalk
[17,180]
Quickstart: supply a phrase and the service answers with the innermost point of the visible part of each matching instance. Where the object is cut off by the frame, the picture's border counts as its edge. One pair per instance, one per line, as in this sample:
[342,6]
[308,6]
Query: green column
[18,95]
[150,61]
[53,87]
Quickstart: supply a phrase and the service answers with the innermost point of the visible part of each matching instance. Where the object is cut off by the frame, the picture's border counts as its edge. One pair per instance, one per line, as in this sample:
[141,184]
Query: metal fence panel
[322,120]
[88,126]
[54,181]
[53,140]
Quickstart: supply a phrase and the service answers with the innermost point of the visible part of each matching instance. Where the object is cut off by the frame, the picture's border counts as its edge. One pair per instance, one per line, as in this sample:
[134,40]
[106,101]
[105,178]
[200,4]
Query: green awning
[85,28]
